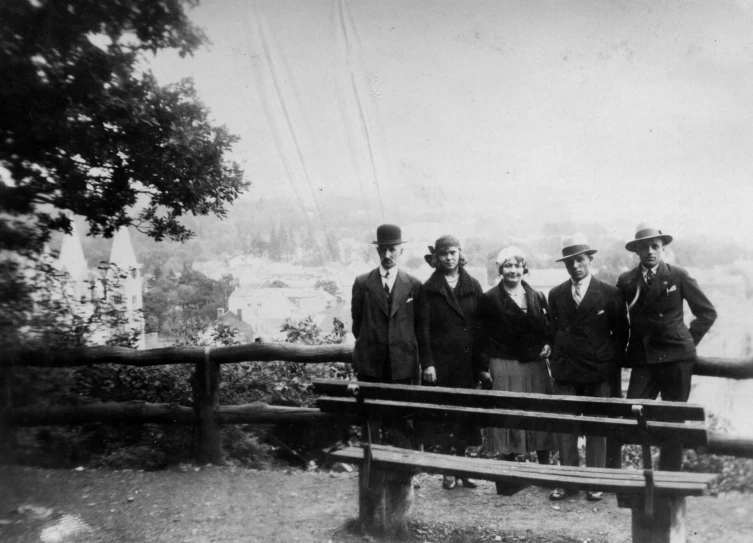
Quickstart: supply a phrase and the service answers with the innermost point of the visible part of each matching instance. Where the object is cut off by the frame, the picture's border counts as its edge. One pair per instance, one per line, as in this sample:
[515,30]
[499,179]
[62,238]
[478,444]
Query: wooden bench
[657,498]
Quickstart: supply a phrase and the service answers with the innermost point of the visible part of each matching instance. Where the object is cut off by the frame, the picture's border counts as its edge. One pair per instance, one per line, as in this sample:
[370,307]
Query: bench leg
[667,525]
[614,453]
[384,502]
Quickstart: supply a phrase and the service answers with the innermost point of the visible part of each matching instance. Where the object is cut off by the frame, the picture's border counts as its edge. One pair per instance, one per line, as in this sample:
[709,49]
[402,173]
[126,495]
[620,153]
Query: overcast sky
[543,111]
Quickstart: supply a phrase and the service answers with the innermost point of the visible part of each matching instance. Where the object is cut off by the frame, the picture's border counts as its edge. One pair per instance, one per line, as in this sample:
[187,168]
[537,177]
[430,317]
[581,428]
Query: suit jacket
[503,330]
[590,339]
[446,335]
[385,336]
[657,330]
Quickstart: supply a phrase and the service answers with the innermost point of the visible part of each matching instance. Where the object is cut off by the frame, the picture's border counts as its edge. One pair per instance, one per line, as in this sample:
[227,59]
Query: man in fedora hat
[385,320]
[590,328]
[662,350]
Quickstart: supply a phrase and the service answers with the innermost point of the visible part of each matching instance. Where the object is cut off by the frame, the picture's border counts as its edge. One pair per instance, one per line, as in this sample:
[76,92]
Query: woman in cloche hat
[448,304]
[513,335]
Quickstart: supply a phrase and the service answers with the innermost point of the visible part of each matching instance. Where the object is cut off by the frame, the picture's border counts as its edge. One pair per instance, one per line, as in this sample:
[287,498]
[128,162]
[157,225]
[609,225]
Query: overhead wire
[267,108]
[288,120]
[341,47]
[341,7]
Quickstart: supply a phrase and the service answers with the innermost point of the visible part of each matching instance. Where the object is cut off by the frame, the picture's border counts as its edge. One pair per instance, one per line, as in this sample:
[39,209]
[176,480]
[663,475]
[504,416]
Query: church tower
[71,260]
[129,299]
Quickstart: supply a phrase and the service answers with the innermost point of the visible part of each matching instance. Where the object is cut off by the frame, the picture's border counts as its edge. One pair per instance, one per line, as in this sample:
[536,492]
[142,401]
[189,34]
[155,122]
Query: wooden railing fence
[208,415]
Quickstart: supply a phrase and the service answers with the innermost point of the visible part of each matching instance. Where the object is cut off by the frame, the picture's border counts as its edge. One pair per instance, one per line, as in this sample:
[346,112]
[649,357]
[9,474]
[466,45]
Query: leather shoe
[594,496]
[558,494]
[467,483]
[449,483]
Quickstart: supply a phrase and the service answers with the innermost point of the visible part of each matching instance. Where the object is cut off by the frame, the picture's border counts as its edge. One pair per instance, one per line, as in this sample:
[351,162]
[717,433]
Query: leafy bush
[734,473]
[152,446]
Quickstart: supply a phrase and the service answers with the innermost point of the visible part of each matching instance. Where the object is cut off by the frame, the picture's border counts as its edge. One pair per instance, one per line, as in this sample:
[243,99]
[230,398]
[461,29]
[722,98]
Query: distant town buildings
[266,308]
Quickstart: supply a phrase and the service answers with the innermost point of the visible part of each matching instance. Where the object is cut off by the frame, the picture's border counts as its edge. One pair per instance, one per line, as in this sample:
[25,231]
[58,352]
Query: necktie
[578,296]
[386,284]
[649,278]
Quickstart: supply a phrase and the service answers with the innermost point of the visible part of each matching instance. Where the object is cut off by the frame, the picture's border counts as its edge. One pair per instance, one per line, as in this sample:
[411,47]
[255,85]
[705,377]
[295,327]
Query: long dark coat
[446,336]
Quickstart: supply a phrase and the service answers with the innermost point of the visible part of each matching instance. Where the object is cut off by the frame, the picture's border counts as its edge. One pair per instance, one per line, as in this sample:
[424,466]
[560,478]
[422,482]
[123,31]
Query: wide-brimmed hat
[647,231]
[574,246]
[388,234]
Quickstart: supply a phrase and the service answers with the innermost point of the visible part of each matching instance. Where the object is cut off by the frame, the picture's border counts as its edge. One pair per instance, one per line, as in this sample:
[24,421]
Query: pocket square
[671,289]
[409,300]
[600,312]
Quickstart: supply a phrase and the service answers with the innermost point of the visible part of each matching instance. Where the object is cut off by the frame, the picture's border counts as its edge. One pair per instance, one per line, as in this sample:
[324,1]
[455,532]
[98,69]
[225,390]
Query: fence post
[6,429]
[206,392]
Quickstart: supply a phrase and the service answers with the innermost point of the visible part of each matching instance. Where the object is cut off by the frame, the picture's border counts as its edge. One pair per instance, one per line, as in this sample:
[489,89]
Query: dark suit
[386,346]
[589,345]
[657,331]
[589,340]
[662,350]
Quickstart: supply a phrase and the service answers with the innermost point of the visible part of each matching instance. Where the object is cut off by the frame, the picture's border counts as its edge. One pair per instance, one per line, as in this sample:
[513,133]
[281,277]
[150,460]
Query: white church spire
[71,257]
[130,296]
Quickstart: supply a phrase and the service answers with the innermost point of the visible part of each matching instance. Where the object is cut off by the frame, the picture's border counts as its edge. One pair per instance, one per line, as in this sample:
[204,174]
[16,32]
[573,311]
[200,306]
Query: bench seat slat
[492,399]
[586,472]
[625,430]
[693,484]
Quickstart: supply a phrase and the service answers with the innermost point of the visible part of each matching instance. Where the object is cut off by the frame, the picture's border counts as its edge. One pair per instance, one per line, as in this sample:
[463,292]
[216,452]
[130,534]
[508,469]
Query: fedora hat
[574,246]
[647,231]
[388,234]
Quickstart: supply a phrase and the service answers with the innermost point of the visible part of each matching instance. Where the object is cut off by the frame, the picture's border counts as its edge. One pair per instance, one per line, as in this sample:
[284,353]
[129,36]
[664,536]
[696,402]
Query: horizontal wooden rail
[731,368]
[144,412]
[254,413]
[729,445]
[257,352]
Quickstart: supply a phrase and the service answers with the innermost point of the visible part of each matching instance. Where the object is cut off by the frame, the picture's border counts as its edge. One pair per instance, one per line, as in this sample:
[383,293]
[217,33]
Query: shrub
[734,473]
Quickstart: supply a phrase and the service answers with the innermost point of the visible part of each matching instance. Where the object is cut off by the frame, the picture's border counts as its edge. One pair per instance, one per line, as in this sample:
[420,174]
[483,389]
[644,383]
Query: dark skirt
[514,376]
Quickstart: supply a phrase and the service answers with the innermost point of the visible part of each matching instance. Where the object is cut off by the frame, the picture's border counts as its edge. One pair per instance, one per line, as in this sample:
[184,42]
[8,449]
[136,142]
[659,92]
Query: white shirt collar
[393,275]
[644,270]
[583,284]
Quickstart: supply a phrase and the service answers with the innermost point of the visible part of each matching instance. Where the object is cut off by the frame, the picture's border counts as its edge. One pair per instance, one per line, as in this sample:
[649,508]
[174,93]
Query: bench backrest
[610,417]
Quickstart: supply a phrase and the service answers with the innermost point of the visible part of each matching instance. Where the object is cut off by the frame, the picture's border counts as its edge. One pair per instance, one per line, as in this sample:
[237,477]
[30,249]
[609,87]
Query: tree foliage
[83,128]
[306,331]
[182,305]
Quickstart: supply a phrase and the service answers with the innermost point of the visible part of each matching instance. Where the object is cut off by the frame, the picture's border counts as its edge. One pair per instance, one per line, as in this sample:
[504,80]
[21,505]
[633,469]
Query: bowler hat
[574,246]
[647,231]
[388,234]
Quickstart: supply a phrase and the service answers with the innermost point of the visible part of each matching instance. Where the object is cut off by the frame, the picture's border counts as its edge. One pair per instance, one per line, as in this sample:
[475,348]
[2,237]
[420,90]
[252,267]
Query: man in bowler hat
[662,349]
[590,328]
[385,320]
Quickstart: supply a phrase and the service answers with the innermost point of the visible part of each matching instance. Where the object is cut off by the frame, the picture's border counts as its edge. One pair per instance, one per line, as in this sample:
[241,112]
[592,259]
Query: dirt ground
[238,505]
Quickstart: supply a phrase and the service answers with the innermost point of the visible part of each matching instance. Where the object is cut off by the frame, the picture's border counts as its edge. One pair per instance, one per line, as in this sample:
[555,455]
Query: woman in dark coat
[448,303]
[513,341]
